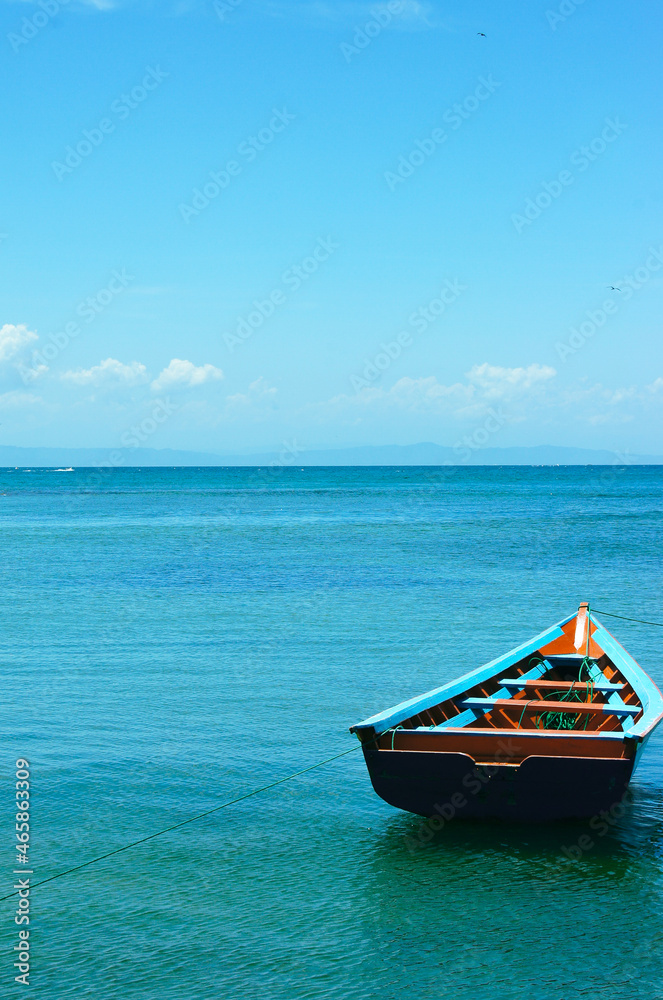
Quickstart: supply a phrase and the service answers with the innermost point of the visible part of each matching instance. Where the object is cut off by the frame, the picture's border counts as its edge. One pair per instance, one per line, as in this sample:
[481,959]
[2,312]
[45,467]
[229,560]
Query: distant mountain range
[413,454]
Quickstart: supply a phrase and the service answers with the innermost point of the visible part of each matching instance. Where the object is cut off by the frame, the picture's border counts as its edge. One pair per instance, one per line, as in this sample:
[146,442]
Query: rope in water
[192,819]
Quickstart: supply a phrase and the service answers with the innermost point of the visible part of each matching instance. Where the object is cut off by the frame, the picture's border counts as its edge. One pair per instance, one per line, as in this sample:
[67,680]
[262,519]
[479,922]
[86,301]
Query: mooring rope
[624,618]
[192,819]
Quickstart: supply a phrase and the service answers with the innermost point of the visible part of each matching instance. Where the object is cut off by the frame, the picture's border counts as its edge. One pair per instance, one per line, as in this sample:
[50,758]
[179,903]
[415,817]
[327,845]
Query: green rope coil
[564,720]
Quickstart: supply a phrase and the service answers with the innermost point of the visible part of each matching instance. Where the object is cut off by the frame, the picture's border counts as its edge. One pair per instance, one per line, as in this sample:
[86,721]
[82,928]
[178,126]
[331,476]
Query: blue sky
[335,223]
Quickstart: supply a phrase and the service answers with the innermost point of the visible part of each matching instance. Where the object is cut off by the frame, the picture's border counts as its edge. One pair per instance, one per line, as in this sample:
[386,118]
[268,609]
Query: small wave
[61,470]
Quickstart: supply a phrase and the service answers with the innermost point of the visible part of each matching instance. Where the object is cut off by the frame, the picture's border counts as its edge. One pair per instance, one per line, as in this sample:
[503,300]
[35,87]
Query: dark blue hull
[452,785]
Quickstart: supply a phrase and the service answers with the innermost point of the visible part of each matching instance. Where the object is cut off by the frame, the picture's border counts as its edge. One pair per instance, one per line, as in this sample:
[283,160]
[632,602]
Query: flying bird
[482,34]
[613,288]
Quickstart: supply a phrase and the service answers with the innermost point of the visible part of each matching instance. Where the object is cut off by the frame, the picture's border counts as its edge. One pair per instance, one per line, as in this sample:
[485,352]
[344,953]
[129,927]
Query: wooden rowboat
[551,730]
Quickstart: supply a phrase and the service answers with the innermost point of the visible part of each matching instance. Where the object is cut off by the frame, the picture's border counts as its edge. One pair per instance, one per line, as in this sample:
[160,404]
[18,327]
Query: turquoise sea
[172,638]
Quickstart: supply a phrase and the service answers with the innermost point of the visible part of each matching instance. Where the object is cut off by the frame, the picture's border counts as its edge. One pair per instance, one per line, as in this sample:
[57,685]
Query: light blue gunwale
[383,721]
[649,695]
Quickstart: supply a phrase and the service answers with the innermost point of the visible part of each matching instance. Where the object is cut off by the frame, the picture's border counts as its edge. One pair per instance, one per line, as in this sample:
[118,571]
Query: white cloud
[16,399]
[427,393]
[621,395]
[260,395]
[501,383]
[486,385]
[13,339]
[109,372]
[597,419]
[184,374]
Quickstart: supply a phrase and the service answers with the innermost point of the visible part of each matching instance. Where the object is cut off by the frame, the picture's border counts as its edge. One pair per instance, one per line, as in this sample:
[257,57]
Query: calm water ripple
[174,637]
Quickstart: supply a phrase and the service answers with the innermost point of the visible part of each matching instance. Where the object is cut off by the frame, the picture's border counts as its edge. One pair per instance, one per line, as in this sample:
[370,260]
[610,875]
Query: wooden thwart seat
[575,707]
[531,682]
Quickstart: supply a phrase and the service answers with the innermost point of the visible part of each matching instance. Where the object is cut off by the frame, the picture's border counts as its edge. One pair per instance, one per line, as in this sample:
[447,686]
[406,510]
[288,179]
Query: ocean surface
[172,638]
